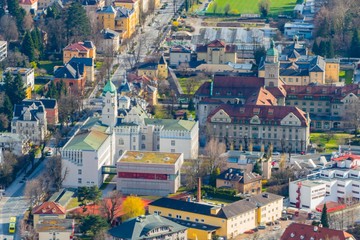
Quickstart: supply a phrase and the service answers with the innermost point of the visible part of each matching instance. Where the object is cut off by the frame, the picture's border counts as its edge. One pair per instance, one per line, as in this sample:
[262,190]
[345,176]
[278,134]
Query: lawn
[250,6]
[196,85]
[38,88]
[330,141]
[73,203]
[49,65]
[348,75]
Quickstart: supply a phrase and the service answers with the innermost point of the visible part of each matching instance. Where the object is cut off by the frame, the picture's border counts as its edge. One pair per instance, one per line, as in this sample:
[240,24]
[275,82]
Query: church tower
[109,111]
[272,67]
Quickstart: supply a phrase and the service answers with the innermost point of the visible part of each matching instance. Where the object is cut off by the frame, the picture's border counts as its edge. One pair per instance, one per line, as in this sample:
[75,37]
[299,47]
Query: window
[172,150]
[79,171]
[79,180]
[170,215]
[172,142]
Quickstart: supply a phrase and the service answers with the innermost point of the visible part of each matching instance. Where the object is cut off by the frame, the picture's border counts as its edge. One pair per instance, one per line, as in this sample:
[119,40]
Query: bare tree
[56,172]
[8,28]
[195,169]
[352,114]
[111,205]
[7,168]
[28,22]
[33,191]
[27,231]
[16,59]
[214,150]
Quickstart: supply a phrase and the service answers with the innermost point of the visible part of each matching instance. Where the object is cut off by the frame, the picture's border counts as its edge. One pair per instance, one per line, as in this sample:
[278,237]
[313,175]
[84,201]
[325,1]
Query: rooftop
[149,157]
[49,208]
[171,124]
[58,225]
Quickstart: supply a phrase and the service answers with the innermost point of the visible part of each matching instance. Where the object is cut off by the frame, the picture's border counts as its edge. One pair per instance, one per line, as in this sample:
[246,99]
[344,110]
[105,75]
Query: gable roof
[71,70]
[216,44]
[86,61]
[106,9]
[50,208]
[79,46]
[27,2]
[28,107]
[87,140]
[262,97]
[48,103]
[171,124]
[238,175]
[298,231]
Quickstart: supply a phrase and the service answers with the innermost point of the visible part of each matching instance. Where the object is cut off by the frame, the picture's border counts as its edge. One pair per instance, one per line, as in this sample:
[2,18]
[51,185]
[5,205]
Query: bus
[12,225]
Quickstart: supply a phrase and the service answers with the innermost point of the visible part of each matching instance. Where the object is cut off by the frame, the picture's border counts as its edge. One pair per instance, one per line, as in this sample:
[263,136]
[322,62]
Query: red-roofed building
[48,210]
[27,5]
[299,231]
[216,52]
[84,49]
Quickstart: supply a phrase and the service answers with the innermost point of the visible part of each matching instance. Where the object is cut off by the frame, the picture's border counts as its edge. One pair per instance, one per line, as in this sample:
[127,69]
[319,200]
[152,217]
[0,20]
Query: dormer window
[256,110]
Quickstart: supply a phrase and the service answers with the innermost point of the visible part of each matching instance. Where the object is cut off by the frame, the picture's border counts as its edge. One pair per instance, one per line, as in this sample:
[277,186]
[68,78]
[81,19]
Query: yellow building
[332,70]
[216,52]
[226,221]
[84,49]
[131,5]
[153,69]
[119,19]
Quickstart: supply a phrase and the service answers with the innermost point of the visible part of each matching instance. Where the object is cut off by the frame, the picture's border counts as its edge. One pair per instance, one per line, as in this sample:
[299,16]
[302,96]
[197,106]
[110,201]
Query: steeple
[109,87]
[272,66]
[110,105]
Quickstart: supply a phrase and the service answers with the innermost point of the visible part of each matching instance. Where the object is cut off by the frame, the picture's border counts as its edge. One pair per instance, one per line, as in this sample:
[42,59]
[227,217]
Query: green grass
[348,75]
[251,6]
[218,201]
[38,87]
[98,64]
[49,65]
[73,203]
[330,141]
[197,84]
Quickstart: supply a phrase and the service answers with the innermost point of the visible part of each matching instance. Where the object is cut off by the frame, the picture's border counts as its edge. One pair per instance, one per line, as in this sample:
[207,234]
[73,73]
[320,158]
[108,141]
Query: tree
[324,217]
[191,106]
[28,22]
[93,224]
[213,176]
[315,48]
[330,49]
[17,12]
[33,191]
[111,205]
[7,108]
[257,168]
[77,23]
[7,168]
[8,28]
[214,150]
[27,46]
[4,122]
[133,207]
[56,172]
[14,88]
[87,195]
[52,91]
[259,53]
[264,7]
[227,9]
[322,48]
[355,44]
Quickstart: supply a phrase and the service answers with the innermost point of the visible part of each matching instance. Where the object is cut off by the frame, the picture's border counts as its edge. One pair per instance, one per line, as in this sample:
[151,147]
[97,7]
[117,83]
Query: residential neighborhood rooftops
[171,124]
[149,157]
[49,208]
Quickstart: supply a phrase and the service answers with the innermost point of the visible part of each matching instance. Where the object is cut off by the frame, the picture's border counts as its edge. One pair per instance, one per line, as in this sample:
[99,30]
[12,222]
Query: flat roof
[59,225]
[149,157]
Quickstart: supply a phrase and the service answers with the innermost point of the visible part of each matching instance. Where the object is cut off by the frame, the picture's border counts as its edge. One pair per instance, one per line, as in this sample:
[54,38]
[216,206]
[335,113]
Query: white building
[3,50]
[179,54]
[303,30]
[15,143]
[59,229]
[110,42]
[328,185]
[27,75]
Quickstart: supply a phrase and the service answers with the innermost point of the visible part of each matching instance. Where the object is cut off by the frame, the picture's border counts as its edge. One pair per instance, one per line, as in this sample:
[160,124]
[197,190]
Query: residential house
[226,221]
[216,52]
[84,49]
[130,5]
[15,143]
[60,229]
[89,66]
[73,75]
[3,50]
[43,4]
[51,108]
[157,69]
[30,121]
[110,42]
[48,210]
[149,227]
[92,5]
[301,29]
[242,181]
[298,231]
[149,173]
[27,75]
[179,54]
[29,5]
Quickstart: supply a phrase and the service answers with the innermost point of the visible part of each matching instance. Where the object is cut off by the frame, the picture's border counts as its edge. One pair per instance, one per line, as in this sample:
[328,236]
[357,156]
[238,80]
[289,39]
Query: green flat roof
[149,157]
[87,140]
[171,124]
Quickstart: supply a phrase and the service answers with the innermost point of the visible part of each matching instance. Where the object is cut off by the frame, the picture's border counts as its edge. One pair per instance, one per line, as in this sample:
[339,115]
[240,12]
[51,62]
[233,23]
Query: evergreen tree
[17,12]
[355,45]
[216,172]
[257,168]
[315,48]
[330,49]
[77,23]
[27,47]
[185,116]
[324,218]
[52,91]
[191,106]
[14,88]
[322,49]
[2,7]
[7,108]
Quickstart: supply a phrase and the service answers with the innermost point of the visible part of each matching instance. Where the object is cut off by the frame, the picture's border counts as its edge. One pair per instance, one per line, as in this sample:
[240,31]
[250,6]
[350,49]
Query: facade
[110,41]
[30,121]
[61,229]
[149,173]
[303,30]
[48,210]
[216,52]
[89,66]
[154,69]
[119,19]
[328,184]
[51,108]
[27,75]
[84,49]
[225,221]
[243,182]
[299,231]
[73,75]
[29,5]
[85,153]
[149,227]
[3,50]
[178,55]
[130,5]
[15,143]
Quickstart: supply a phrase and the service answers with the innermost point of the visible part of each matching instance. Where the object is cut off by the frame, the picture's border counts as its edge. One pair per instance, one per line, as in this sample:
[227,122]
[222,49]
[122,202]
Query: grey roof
[238,175]
[106,9]
[70,70]
[265,198]
[196,225]
[34,108]
[122,12]
[140,227]
[86,61]
[109,34]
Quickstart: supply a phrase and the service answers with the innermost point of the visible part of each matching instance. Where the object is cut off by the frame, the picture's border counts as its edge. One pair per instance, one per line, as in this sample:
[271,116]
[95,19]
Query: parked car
[284,218]
[276,153]
[261,227]
[249,231]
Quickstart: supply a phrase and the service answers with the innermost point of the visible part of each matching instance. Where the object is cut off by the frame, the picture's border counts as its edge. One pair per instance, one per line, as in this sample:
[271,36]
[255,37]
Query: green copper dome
[109,87]
[272,51]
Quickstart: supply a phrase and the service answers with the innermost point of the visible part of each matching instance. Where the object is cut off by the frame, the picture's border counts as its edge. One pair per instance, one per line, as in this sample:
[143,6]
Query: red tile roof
[347,156]
[298,231]
[49,208]
[262,97]
[331,207]
[76,47]
[271,114]
[216,43]
[27,2]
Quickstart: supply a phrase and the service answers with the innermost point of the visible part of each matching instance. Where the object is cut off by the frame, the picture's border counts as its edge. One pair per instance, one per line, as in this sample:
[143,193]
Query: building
[92,5]
[119,19]
[84,49]
[334,184]
[149,173]
[48,210]
[61,229]
[157,69]
[179,54]
[84,155]
[3,50]
[216,52]
[301,29]
[43,4]
[30,121]
[89,66]
[149,227]
[298,231]
[29,5]
[27,75]
[51,108]
[225,221]
[110,42]
[15,143]
[73,75]
[243,182]
[130,5]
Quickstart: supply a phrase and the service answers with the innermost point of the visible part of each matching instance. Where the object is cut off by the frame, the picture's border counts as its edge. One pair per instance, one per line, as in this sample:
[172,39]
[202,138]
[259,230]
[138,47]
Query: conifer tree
[355,44]
[324,218]
[315,48]
[27,47]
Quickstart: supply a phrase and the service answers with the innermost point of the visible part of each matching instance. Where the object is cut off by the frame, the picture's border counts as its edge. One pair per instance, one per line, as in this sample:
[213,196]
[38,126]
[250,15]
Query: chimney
[315,228]
[199,190]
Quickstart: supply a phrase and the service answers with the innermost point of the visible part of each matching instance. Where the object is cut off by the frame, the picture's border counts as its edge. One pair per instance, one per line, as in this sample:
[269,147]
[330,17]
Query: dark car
[261,227]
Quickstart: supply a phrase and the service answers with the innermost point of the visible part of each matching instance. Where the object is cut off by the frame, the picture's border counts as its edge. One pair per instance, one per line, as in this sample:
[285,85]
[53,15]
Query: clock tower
[272,66]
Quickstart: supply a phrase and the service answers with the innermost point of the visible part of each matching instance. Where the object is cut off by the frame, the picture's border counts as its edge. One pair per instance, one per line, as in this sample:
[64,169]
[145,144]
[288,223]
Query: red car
[249,231]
